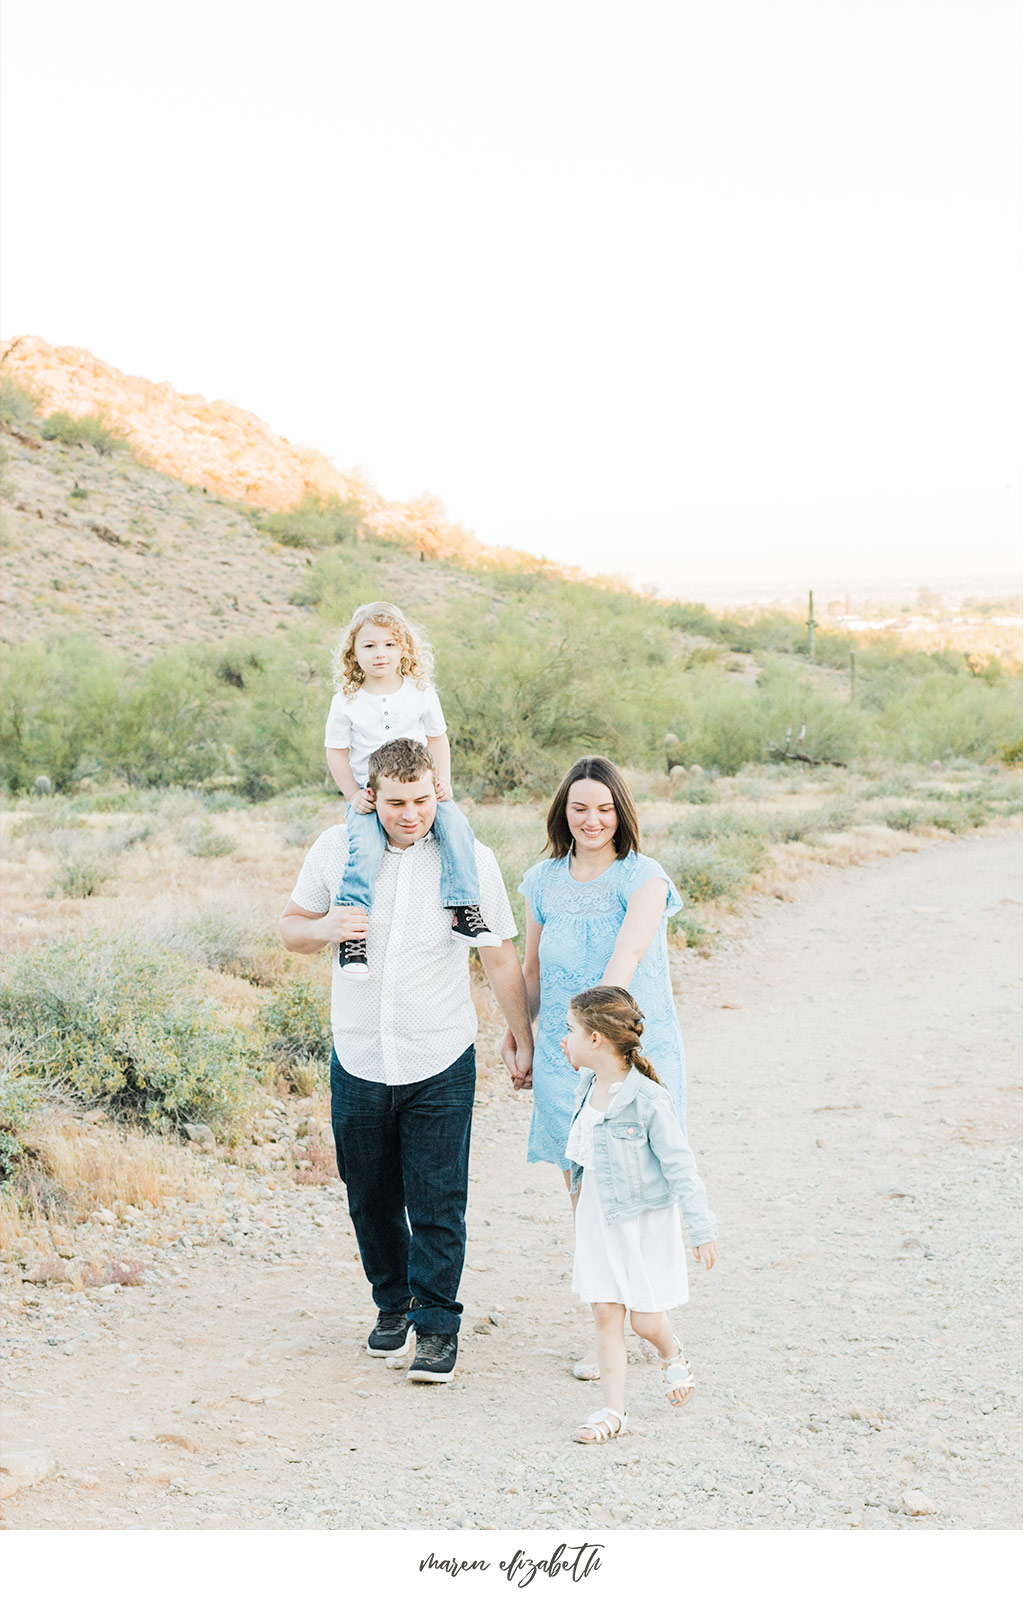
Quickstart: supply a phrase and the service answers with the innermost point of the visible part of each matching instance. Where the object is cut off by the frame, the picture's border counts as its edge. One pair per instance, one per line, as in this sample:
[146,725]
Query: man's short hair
[405,760]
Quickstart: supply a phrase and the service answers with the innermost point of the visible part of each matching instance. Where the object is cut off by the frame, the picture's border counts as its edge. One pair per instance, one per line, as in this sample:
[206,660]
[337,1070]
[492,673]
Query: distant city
[870,602]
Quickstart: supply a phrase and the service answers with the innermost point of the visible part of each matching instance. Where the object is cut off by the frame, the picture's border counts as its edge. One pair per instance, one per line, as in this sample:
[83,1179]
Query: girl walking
[382,669]
[628,1151]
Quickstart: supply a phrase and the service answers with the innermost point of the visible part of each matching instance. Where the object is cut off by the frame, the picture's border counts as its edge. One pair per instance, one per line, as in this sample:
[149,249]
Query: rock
[22,1469]
[178,1439]
[201,1134]
[84,1480]
[483,1327]
[916,1504]
[101,1214]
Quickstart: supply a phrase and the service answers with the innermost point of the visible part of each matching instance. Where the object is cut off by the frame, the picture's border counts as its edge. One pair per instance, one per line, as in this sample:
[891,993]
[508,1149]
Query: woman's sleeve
[530,889]
[640,871]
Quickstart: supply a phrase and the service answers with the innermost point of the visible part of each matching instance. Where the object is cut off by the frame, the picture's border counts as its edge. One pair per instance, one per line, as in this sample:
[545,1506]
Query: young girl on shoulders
[637,1171]
[382,668]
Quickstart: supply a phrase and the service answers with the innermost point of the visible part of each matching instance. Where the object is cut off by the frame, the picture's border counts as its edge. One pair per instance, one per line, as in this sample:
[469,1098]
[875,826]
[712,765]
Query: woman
[597,913]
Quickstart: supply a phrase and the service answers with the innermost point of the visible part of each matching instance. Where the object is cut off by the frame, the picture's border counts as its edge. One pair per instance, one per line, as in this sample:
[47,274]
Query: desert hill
[225,450]
[170,542]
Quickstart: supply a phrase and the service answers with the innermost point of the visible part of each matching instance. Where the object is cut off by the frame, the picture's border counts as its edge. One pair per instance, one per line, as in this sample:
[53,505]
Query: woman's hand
[708,1253]
[362,801]
[519,1061]
[443,790]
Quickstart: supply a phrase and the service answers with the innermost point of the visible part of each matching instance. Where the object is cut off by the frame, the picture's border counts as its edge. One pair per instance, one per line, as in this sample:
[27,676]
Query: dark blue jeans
[403,1155]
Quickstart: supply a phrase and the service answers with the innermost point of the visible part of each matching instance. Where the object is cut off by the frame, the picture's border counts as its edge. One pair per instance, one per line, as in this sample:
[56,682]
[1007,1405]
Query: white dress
[640,1262]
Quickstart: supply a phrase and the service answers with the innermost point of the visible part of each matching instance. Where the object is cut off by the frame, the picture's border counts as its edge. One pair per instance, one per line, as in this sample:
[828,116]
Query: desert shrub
[317,521]
[92,429]
[297,1023]
[1011,755]
[19,1096]
[125,1027]
[81,872]
[202,839]
[58,704]
[712,869]
[224,937]
[900,818]
[307,1075]
[18,403]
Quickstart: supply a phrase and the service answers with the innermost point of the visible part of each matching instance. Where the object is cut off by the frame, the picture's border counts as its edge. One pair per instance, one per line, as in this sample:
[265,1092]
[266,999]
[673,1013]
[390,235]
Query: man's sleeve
[494,905]
[321,872]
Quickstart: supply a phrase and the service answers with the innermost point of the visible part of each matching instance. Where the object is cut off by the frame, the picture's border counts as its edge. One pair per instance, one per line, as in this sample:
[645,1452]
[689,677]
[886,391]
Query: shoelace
[474,919]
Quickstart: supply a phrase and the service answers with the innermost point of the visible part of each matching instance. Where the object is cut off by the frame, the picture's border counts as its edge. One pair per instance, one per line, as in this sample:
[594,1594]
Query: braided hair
[614,1014]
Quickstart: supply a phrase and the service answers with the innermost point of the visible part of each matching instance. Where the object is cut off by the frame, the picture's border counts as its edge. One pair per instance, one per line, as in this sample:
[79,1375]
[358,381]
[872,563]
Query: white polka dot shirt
[414,1015]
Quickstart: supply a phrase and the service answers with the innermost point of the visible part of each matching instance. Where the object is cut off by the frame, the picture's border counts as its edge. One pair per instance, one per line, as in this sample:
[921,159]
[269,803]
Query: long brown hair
[600,770]
[614,1014]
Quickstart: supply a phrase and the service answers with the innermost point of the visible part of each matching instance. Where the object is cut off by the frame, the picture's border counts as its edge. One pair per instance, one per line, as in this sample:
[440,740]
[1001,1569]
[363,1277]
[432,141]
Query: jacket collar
[626,1095]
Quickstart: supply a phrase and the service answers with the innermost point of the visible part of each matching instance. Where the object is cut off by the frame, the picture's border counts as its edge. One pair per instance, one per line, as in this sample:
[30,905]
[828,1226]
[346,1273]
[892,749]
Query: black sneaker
[469,926]
[391,1336]
[352,958]
[435,1358]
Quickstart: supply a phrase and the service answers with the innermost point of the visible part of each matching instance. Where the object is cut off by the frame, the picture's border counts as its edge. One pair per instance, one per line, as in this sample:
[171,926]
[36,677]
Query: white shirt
[413,1016]
[362,723]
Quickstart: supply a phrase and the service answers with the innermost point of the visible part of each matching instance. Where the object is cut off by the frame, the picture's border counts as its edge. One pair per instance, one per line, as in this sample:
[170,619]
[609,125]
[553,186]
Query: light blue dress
[580,923]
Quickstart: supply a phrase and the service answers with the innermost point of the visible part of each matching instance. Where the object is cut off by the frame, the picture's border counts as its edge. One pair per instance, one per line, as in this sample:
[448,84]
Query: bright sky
[691,291]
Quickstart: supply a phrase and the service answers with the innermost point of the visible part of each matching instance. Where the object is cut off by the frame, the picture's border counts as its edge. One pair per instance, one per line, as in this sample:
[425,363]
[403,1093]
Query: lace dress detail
[579,925]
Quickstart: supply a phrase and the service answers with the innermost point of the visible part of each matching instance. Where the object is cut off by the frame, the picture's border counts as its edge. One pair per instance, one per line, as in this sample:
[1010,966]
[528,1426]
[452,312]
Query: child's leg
[610,1327]
[655,1326]
[365,853]
[460,883]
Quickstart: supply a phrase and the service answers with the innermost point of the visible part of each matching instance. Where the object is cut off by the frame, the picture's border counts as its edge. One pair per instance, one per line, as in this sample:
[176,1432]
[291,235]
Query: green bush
[81,872]
[319,520]
[18,403]
[297,1022]
[19,1096]
[126,1027]
[92,429]
[713,869]
[901,818]
[204,840]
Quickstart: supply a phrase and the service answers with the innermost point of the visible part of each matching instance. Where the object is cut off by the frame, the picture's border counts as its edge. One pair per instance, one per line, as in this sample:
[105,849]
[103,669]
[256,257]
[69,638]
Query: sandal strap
[679,1377]
[599,1424]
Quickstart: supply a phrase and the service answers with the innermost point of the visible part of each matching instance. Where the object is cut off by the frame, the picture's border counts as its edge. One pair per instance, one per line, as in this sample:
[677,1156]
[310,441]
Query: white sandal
[677,1375]
[599,1424]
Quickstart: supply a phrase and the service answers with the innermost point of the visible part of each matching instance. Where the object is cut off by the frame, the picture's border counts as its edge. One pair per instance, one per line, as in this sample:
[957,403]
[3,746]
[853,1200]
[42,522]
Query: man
[403,1067]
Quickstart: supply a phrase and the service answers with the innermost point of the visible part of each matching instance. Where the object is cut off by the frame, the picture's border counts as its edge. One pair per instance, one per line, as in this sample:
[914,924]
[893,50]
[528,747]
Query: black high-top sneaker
[391,1335]
[352,958]
[469,926]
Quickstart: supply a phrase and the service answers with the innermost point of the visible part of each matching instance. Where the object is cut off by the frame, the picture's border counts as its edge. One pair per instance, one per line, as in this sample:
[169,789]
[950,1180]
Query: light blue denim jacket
[641,1158]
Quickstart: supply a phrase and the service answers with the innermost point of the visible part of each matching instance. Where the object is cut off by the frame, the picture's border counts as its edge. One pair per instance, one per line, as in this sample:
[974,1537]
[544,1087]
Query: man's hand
[519,1061]
[343,922]
[444,790]
[363,802]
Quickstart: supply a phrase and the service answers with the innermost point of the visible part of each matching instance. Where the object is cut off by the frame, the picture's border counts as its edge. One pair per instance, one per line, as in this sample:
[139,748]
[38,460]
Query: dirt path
[853,1063]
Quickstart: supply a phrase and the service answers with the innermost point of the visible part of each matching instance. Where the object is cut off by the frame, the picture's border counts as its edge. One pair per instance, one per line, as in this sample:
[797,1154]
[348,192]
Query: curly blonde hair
[417,657]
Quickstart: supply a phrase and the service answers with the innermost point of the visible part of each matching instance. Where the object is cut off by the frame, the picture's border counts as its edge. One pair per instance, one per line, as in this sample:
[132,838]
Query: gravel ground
[854,1058]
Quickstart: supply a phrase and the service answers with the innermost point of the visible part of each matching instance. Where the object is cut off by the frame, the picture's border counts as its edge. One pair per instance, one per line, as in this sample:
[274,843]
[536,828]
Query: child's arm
[441,750]
[341,772]
[676,1160]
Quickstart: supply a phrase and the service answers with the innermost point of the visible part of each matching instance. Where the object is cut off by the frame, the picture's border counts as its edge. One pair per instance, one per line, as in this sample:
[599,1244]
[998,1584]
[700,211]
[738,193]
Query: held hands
[362,801]
[444,790]
[708,1253]
[519,1061]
